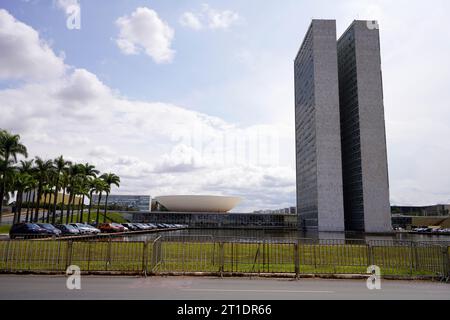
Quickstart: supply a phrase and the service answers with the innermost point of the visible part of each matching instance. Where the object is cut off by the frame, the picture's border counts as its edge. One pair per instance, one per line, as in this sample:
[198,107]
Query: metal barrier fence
[171,255]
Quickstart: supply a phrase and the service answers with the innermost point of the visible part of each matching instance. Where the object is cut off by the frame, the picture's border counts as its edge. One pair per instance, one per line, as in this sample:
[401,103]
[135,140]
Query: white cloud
[144,31]
[220,19]
[191,20]
[209,17]
[68,5]
[23,54]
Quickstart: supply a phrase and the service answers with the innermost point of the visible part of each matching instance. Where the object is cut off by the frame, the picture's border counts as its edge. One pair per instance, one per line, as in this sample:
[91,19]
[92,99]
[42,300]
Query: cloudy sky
[196,97]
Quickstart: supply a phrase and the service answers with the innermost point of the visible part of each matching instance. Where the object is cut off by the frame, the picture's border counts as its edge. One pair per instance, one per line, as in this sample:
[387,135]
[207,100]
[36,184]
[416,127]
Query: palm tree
[75,172]
[89,173]
[47,191]
[10,148]
[60,165]
[65,177]
[110,179]
[91,184]
[26,168]
[22,181]
[42,171]
[100,187]
[31,190]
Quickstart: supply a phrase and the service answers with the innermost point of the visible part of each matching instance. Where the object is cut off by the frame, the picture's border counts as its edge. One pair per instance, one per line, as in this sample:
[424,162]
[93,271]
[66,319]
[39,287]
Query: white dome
[198,203]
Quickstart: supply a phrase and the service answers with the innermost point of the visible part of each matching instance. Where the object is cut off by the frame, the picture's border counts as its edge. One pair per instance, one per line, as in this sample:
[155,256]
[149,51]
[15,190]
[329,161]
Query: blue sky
[163,120]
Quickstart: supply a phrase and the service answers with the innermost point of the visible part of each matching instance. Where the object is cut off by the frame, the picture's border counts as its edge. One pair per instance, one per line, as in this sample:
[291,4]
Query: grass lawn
[207,257]
[110,217]
[5,229]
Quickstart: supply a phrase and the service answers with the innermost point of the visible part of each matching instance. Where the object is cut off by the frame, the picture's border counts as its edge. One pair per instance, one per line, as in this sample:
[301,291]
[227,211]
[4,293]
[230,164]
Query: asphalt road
[181,288]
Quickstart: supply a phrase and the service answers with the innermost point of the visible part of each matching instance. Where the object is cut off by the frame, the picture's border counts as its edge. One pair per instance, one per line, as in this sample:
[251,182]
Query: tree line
[43,187]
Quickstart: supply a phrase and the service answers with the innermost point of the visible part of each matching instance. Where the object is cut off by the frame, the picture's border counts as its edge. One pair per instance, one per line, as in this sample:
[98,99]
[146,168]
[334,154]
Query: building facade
[342,174]
[363,134]
[317,126]
[133,202]
[214,220]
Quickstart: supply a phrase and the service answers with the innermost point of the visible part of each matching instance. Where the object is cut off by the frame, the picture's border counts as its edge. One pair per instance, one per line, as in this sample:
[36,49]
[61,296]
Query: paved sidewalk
[180,288]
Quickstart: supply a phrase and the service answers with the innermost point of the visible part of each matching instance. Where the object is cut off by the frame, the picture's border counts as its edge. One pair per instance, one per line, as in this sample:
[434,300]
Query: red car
[111,227]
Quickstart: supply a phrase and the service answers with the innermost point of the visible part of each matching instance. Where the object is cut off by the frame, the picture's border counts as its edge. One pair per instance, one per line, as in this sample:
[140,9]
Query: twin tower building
[342,172]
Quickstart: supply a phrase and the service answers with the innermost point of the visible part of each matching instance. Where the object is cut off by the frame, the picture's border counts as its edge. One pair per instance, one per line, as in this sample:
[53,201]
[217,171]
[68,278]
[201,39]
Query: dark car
[54,231]
[27,230]
[68,230]
[161,226]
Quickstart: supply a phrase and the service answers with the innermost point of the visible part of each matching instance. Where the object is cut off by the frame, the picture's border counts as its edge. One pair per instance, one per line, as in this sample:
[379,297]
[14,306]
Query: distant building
[424,211]
[290,210]
[133,202]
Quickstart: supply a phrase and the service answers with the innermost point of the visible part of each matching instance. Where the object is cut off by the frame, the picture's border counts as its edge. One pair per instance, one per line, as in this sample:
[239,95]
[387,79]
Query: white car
[85,228]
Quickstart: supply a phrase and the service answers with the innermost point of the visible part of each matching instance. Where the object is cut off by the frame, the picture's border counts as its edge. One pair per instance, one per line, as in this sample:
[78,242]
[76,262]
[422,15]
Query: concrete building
[317,126]
[342,174]
[363,135]
[195,203]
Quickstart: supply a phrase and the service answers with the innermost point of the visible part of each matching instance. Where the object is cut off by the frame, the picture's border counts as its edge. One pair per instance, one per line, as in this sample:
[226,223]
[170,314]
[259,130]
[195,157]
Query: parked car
[145,226]
[130,226]
[139,226]
[151,226]
[161,226]
[68,230]
[55,231]
[85,228]
[27,230]
[111,227]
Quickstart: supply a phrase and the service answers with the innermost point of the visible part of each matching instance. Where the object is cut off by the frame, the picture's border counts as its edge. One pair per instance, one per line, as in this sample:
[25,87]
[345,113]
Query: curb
[291,276]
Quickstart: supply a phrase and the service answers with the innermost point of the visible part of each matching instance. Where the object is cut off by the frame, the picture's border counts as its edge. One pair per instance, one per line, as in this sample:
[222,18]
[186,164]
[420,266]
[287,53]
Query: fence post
[446,262]
[145,258]
[69,253]
[108,257]
[221,259]
[370,254]
[411,257]
[155,253]
[296,260]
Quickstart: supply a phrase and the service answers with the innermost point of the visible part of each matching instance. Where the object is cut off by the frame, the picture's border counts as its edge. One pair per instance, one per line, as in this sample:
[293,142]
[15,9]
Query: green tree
[100,187]
[110,179]
[42,171]
[10,148]
[60,165]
